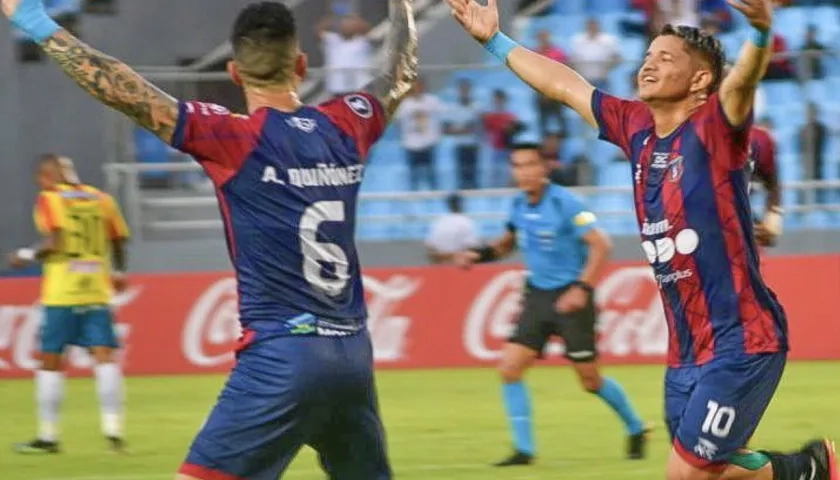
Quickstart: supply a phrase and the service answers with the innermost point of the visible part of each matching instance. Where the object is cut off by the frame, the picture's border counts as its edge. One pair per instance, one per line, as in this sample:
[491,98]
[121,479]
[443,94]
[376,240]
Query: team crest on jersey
[676,167]
[360,105]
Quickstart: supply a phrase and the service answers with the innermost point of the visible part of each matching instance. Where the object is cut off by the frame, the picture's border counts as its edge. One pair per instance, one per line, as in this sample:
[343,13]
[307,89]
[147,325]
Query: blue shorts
[712,410]
[83,326]
[287,392]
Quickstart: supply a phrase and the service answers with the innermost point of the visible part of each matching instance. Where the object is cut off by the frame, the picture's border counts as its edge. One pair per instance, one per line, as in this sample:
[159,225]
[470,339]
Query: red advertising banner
[419,317]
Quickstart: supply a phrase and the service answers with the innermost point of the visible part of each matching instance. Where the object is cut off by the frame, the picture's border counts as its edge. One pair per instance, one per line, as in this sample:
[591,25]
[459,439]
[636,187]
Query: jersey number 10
[86,236]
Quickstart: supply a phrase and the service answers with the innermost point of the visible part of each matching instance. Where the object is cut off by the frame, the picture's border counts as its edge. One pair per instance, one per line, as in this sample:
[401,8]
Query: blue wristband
[32,20]
[500,45]
[761,38]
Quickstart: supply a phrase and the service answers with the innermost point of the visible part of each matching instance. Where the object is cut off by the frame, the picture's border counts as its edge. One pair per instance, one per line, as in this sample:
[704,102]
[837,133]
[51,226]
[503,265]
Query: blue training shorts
[712,410]
[83,326]
[289,391]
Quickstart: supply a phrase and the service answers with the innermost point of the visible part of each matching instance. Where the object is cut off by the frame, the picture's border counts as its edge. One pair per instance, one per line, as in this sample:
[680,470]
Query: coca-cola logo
[19,326]
[631,319]
[492,315]
[212,326]
[388,330]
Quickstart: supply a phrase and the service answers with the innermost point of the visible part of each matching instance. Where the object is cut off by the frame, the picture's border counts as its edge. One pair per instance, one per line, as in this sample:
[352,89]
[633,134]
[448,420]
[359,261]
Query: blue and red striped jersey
[287,185]
[691,191]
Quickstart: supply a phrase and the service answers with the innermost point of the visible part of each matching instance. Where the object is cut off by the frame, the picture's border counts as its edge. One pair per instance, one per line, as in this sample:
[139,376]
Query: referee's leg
[523,348]
[578,330]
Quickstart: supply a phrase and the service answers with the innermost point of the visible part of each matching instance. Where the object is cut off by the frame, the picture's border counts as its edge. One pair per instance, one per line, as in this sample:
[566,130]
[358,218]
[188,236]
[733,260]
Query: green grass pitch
[442,424]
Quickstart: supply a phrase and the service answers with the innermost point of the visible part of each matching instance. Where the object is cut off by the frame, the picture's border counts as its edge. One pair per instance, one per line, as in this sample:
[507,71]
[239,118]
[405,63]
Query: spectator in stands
[595,54]
[781,67]
[501,126]
[679,12]
[450,233]
[717,12]
[347,53]
[812,140]
[546,107]
[567,171]
[420,121]
[812,56]
[464,125]
[642,20]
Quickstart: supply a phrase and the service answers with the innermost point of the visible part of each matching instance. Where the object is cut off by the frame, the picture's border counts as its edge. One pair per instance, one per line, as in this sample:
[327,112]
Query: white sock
[109,386]
[49,392]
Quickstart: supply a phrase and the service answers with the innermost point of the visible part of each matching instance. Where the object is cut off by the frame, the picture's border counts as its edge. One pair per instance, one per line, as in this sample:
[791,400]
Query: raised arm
[392,86]
[550,78]
[737,91]
[107,79]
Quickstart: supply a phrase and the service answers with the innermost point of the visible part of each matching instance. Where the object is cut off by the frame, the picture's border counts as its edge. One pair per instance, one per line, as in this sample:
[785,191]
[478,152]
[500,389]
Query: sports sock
[612,393]
[49,392]
[518,406]
[109,388]
[790,466]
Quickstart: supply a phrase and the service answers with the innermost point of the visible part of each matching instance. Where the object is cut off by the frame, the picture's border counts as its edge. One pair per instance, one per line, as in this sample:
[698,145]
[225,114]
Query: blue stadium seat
[150,149]
[791,23]
[599,7]
[566,7]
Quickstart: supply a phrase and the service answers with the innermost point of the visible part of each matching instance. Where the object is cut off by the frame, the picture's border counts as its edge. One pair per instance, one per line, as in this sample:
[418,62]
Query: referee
[564,250]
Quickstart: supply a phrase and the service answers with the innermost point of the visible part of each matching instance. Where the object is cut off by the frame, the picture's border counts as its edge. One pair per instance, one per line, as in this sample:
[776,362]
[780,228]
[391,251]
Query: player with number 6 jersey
[287,178]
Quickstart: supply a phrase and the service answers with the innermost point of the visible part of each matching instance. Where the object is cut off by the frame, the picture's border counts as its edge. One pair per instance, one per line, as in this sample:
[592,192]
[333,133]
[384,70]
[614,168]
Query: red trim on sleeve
[218,139]
[358,115]
[204,473]
[697,462]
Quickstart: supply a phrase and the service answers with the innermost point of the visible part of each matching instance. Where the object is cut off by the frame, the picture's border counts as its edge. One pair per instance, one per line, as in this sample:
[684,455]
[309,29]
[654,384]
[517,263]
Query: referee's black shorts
[540,320]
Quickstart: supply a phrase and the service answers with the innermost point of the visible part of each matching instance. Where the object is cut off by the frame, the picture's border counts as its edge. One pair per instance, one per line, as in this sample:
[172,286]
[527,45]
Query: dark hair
[454,202]
[526,146]
[264,43]
[704,44]
[500,94]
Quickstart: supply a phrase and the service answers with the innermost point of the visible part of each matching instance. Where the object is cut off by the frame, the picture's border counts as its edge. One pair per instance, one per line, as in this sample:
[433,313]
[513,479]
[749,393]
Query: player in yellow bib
[83,258]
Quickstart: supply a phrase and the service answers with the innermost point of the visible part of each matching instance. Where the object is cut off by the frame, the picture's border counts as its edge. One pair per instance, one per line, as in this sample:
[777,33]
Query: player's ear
[701,81]
[233,71]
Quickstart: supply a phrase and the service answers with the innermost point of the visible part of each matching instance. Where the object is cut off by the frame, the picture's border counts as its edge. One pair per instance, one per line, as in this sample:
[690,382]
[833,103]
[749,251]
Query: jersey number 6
[316,254]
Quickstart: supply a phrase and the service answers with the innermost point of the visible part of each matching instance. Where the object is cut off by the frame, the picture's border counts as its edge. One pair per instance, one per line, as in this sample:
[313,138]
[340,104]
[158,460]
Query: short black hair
[263,38]
[706,45]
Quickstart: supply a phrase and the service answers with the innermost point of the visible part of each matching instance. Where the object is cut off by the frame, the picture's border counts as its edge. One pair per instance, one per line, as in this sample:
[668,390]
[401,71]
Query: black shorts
[540,320]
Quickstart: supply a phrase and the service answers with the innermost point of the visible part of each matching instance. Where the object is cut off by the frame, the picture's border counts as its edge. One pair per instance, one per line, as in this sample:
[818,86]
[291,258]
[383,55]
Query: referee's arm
[600,249]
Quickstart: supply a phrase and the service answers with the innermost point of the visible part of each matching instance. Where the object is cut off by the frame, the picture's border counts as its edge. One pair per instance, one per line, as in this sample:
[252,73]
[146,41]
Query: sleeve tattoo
[115,84]
[401,68]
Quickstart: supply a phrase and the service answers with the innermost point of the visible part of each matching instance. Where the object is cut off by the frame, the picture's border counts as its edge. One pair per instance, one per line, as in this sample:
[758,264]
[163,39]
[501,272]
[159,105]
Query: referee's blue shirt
[550,236]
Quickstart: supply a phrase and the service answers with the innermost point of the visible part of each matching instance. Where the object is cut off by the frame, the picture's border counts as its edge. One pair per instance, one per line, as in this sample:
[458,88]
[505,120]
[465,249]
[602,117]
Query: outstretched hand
[758,12]
[479,21]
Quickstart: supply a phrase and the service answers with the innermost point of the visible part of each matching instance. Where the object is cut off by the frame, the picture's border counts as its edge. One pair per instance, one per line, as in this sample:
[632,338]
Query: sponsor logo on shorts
[705,449]
[675,277]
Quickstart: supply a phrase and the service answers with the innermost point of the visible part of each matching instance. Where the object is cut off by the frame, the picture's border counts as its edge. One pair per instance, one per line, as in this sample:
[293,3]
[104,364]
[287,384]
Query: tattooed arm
[401,69]
[114,83]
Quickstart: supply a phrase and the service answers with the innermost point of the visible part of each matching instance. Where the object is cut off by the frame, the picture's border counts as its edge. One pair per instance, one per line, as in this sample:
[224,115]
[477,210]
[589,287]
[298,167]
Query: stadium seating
[786,108]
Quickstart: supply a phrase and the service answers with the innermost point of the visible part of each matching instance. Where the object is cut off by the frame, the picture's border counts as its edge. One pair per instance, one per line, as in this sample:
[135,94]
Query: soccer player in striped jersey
[83,254]
[687,142]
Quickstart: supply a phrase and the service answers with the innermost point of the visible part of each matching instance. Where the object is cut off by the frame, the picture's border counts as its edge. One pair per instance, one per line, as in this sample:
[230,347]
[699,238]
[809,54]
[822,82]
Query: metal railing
[140,204]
